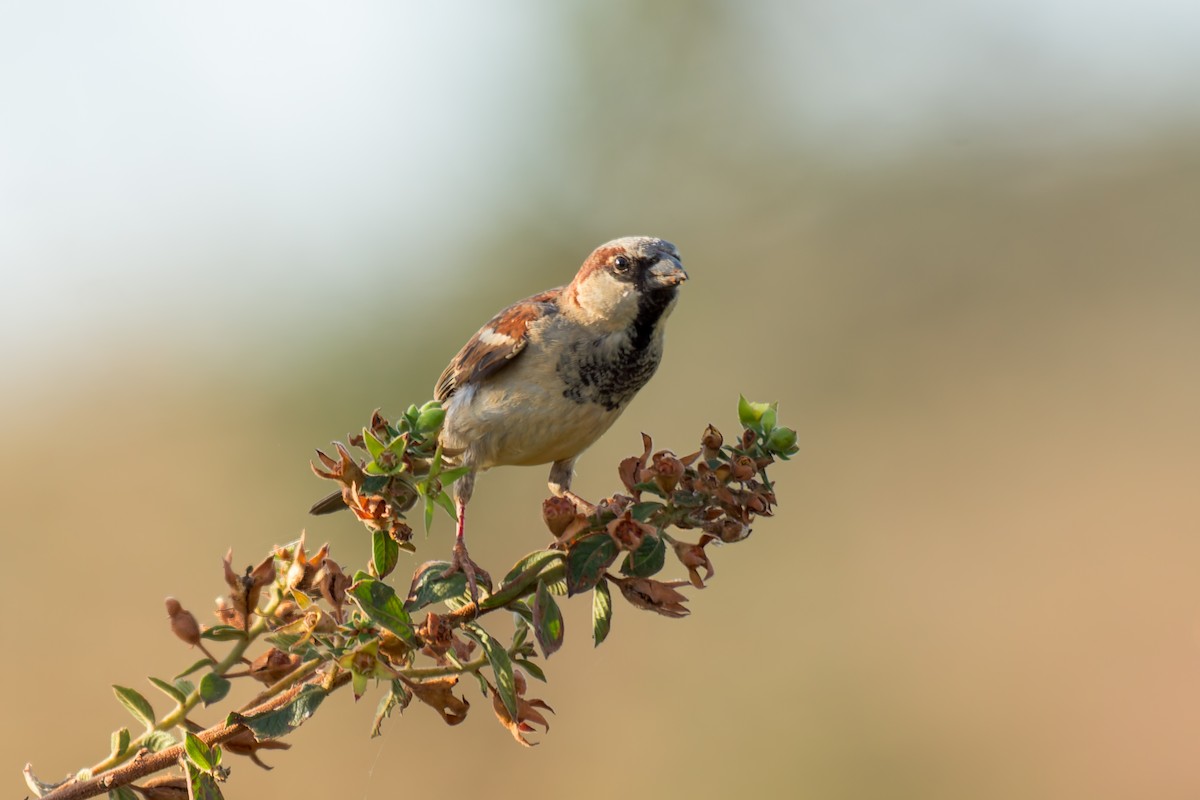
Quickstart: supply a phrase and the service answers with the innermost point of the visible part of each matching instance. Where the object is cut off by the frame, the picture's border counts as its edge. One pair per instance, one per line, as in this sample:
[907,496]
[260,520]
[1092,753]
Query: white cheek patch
[490,336]
[604,297]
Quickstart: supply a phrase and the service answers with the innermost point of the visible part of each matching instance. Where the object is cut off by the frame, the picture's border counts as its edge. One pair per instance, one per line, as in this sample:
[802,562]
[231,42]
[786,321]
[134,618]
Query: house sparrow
[547,376]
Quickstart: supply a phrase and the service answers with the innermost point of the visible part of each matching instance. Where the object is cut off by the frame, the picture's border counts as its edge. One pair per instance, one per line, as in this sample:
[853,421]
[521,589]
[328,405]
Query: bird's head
[627,281]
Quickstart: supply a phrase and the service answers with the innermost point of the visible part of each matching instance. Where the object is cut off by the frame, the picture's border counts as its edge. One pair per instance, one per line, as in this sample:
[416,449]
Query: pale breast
[520,416]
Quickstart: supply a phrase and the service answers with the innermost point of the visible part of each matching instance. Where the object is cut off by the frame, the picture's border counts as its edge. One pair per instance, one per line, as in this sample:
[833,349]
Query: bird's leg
[460,560]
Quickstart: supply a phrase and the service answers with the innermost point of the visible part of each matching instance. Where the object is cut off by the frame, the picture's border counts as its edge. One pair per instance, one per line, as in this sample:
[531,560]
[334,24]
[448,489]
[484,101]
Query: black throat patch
[612,378]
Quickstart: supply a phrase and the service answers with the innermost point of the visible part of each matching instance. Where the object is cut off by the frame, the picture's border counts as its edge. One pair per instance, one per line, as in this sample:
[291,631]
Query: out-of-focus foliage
[985,331]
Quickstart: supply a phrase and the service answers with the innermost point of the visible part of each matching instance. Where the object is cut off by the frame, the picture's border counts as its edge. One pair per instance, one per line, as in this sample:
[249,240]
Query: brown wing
[496,344]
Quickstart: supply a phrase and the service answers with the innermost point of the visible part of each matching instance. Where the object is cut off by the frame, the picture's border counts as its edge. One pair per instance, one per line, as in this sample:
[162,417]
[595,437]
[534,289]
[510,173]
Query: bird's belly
[540,438]
[519,419]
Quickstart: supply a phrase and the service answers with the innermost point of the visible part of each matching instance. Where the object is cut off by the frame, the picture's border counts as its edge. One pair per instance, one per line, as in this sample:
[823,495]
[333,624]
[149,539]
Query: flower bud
[273,665]
[666,470]
[183,623]
[711,442]
[558,512]
[396,649]
[627,532]
[332,582]
[613,505]
[742,468]
[400,531]
[431,417]
[727,529]
[782,440]
[287,611]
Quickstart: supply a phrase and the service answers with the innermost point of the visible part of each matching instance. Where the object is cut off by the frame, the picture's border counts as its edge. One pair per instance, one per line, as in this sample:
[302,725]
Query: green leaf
[428,511]
[213,688]
[223,633]
[533,669]
[204,757]
[373,445]
[547,621]
[379,602]
[187,687]
[136,704]
[451,475]
[430,587]
[120,741]
[398,697]
[551,570]
[286,640]
[398,446]
[587,559]
[768,419]
[532,562]
[642,511]
[204,662]
[649,486]
[285,719]
[444,500]
[202,785]
[170,690]
[374,485]
[647,559]
[385,553]
[522,612]
[502,667]
[158,740]
[521,630]
[122,793]
[601,612]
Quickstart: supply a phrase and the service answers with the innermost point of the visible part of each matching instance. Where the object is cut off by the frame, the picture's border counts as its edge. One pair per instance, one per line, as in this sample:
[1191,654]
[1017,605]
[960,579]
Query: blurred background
[957,241]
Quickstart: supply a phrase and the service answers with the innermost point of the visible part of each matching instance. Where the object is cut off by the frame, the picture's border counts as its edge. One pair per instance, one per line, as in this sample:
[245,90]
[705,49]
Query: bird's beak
[667,272]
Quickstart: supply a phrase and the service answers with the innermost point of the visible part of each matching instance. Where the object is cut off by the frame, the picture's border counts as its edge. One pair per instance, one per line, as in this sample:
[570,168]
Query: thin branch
[144,763]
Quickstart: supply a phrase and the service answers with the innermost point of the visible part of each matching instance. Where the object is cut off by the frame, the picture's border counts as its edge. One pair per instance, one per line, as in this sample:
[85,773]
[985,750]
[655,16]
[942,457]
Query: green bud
[782,440]
[430,418]
[751,414]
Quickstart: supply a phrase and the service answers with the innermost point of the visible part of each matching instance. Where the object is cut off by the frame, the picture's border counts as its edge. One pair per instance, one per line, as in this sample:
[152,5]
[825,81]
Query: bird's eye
[622,264]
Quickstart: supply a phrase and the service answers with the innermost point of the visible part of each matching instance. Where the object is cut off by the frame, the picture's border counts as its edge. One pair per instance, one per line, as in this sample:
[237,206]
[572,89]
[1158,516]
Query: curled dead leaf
[654,595]
[243,743]
[527,715]
[438,693]
[694,558]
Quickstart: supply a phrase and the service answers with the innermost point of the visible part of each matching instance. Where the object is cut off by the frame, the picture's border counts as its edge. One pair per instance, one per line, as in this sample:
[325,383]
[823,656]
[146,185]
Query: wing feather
[496,344]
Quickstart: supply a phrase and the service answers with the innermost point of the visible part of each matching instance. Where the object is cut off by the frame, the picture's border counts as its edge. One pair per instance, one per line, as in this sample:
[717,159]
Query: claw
[461,562]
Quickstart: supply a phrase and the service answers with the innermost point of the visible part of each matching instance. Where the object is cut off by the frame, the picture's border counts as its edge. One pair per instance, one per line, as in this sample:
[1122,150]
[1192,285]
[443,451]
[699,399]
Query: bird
[546,377]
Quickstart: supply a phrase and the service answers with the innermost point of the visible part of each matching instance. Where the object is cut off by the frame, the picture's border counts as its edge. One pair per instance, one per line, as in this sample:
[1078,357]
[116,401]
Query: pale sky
[176,160]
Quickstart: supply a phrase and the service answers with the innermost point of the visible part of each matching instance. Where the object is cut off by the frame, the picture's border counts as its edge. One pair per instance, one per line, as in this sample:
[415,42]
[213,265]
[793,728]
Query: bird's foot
[460,561]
